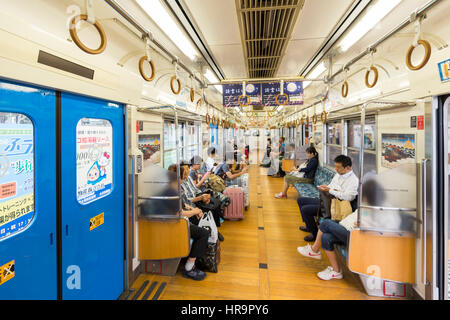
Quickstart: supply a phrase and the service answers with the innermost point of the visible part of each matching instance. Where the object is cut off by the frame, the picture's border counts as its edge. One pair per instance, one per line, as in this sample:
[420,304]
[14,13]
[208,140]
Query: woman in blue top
[305,175]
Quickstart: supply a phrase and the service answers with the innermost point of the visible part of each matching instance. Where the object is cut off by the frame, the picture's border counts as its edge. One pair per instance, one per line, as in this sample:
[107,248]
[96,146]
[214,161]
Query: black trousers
[308,210]
[200,244]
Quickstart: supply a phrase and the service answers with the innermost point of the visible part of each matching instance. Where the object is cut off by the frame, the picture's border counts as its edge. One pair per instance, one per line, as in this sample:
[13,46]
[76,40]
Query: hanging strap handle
[90,11]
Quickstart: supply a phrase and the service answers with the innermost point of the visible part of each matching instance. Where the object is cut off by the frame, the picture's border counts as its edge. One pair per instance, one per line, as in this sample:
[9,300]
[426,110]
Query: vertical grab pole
[178,154]
[361,158]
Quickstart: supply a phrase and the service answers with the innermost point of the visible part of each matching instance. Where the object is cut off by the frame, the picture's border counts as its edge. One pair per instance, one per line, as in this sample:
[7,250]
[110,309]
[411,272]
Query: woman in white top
[333,232]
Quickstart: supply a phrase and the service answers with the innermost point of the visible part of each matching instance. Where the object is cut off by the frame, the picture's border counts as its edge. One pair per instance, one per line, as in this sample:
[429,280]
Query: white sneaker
[329,274]
[307,251]
[280,196]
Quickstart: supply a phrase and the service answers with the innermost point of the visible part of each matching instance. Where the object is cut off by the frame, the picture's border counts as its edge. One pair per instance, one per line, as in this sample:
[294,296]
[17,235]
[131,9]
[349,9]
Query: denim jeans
[333,233]
[308,210]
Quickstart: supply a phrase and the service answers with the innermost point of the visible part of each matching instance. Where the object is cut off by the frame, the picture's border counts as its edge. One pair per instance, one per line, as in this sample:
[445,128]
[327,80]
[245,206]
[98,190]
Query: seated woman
[195,198]
[333,232]
[330,233]
[296,176]
[199,245]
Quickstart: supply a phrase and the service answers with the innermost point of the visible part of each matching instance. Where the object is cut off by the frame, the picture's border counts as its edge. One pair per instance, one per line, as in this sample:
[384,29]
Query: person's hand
[206,197]
[207,174]
[323,188]
[189,207]
[199,213]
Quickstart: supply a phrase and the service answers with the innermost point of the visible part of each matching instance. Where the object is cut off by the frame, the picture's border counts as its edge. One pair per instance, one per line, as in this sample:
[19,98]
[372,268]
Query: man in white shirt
[211,160]
[343,186]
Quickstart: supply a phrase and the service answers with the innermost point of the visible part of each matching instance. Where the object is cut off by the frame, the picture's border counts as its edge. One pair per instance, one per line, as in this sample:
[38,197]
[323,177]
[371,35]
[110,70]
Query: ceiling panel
[316,21]
[217,22]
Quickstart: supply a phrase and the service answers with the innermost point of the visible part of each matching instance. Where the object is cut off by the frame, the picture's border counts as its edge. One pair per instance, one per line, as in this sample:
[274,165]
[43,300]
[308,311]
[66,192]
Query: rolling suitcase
[235,211]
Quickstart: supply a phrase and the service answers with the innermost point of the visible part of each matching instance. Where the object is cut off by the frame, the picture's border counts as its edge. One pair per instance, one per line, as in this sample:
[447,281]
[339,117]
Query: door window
[94,159]
[16,173]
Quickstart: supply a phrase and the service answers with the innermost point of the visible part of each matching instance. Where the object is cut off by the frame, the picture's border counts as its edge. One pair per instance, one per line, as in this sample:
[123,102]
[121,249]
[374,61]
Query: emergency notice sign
[94,159]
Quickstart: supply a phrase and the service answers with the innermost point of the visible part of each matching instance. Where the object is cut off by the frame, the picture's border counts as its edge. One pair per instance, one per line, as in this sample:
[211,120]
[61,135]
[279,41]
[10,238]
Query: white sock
[189,265]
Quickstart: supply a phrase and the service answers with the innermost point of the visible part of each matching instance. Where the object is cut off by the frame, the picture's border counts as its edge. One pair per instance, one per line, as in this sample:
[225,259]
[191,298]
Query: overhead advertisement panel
[293,90]
[263,94]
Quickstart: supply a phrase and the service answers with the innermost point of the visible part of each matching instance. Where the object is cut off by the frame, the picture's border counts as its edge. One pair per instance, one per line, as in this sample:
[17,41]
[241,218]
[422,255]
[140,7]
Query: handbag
[210,261]
[207,222]
[340,209]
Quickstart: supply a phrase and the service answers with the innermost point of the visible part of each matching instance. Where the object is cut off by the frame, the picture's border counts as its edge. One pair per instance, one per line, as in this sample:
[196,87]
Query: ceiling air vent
[266,27]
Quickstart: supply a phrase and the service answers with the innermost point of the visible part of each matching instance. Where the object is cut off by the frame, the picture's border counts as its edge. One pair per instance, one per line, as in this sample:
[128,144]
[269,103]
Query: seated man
[196,163]
[211,161]
[224,170]
[305,174]
[333,232]
[344,186]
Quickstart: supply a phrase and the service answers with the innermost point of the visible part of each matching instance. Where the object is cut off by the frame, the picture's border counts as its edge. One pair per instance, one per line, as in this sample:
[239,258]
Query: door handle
[51,238]
[424,218]
[67,230]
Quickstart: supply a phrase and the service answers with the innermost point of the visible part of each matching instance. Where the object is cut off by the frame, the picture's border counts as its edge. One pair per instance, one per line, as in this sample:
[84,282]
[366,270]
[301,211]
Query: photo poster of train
[150,146]
[397,149]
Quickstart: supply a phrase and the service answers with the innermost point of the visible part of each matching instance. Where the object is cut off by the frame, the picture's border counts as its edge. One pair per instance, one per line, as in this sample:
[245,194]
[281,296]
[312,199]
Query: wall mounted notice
[16,173]
[94,159]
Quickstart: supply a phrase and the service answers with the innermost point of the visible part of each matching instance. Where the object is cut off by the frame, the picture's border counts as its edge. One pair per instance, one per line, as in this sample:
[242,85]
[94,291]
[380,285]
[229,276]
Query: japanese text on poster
[94,159]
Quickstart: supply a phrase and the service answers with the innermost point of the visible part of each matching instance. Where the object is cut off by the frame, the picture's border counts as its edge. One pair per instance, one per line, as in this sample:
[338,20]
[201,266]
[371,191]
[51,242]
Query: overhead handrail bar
[146,34]
[399,27]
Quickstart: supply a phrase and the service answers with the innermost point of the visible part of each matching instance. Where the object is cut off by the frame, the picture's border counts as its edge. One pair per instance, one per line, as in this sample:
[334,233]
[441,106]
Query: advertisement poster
[294,90]
[317,140]
[150,146]
[397,149]
[16,174]
[232,92]
[94,159]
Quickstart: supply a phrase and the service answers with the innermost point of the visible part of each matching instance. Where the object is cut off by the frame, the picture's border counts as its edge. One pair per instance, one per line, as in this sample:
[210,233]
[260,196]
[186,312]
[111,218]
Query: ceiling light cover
[161,17]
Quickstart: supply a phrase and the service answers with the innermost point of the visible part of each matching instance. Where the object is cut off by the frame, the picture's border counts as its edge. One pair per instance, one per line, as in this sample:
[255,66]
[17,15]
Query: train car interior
[224,150]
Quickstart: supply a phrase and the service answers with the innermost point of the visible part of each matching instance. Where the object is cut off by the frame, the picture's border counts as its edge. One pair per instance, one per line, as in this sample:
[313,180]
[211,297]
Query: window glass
[334,135]
[370,161]
[94,147]
[332,153]
[354,134]
[16,173]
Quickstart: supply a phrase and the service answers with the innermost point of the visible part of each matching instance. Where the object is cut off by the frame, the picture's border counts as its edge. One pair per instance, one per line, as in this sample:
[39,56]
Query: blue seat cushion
[323,176]
[342,249]
[307,190]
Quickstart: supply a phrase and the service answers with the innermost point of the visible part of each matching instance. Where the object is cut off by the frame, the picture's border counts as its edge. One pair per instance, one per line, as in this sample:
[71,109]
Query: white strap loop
[176,67]
[282,87]
[243,88]
[90,11]
[417,30]
[147,49]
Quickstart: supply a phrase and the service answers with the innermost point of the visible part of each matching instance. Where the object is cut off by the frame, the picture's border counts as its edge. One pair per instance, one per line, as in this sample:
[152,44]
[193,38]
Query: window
[354,144]
[333,142]
[16,173]
[94,145]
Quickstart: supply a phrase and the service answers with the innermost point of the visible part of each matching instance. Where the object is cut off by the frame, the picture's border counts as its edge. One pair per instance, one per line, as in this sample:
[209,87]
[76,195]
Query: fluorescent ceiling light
[213,79]
[315,73]
[161,17]
[370,19]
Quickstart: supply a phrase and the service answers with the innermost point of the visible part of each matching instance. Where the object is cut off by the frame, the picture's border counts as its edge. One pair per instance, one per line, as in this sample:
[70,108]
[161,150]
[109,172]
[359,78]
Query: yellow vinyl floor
[268,236]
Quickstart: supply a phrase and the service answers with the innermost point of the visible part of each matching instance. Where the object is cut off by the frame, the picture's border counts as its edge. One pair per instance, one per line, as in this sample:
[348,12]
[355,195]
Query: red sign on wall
[420,122]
